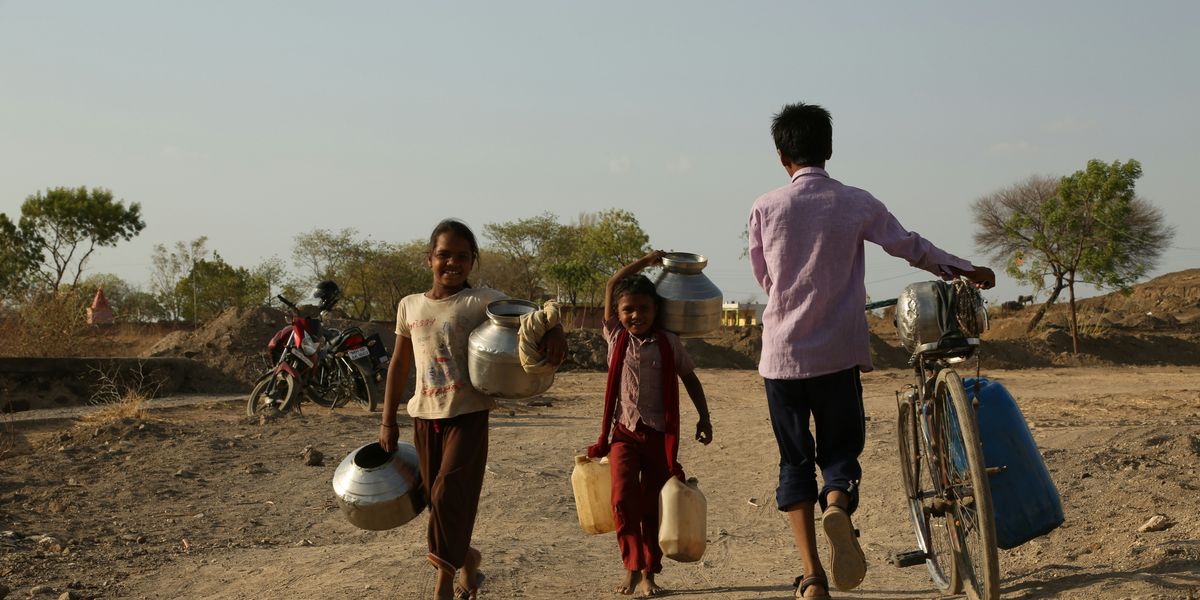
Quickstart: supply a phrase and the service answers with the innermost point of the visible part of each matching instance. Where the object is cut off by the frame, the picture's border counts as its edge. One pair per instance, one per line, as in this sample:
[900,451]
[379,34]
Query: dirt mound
[233,343]
[1158,322]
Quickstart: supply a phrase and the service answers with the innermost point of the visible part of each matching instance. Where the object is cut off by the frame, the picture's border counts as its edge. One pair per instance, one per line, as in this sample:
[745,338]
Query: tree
[586,254]
[65,226]
[1008,221]
[527,242]
[169,268]
[499,270]
[217,286]
[18,259]
[271,274]
[1093,229]
[401,268]
[373,276]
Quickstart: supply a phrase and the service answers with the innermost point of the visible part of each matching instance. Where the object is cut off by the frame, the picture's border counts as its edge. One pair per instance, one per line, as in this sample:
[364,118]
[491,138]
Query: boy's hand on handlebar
[982,277]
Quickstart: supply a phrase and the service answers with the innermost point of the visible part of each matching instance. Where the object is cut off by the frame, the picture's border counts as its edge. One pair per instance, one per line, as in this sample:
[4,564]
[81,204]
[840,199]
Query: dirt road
[201,502]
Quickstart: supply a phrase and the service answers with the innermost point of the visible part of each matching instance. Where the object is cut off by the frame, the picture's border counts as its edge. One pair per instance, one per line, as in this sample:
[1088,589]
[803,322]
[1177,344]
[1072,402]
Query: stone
[39,590]
[1155,523]
[313,457]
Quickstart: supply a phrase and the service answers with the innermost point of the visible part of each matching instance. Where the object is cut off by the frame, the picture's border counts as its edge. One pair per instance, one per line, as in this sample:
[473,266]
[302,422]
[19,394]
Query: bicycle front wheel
[967,490]
[929,519]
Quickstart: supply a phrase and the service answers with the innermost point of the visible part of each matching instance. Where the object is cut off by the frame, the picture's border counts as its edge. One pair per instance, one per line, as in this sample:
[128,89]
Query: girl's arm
[651,259]
[397,378]
[695,391]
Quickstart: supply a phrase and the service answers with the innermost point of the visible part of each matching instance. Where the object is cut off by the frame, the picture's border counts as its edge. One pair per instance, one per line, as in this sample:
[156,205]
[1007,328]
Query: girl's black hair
[457,228]
[639,284]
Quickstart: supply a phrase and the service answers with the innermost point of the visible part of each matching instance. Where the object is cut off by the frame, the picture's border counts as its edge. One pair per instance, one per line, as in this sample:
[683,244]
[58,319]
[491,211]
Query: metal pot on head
[378,490]
[691,302]
[493,363]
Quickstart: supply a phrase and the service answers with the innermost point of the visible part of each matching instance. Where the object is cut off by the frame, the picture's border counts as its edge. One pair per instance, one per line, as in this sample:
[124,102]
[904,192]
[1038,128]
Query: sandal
[847,563]
[803,583]
[465,593]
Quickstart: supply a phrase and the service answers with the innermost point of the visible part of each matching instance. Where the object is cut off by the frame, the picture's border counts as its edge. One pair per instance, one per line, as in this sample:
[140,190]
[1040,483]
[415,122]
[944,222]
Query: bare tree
[1006,236]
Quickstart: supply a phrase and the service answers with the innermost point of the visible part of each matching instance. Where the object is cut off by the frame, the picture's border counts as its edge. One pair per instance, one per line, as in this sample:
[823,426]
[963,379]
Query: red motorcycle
[327,366]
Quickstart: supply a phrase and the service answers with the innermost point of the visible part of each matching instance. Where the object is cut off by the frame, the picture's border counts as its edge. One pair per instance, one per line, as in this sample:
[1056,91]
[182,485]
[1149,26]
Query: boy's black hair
[803,134]
[458,228]
[638,284]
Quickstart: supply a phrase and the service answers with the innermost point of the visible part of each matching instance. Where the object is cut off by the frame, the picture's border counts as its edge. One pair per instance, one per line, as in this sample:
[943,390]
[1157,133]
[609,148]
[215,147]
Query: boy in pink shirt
[806,250]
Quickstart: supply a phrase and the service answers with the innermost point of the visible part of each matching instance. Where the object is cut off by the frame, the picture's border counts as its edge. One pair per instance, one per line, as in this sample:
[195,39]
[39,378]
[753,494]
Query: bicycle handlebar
[881,304]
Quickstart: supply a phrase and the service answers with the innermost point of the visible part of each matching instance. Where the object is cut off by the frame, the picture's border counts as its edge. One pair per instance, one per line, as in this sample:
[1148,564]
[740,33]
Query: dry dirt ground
[202,502]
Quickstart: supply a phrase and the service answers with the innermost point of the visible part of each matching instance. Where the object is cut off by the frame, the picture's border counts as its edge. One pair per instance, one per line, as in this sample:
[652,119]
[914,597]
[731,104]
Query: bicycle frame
[939,438]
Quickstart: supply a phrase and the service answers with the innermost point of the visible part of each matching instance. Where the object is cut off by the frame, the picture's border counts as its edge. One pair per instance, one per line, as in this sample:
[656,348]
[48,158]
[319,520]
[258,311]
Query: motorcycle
[295,351]
[349,369]
[327,366]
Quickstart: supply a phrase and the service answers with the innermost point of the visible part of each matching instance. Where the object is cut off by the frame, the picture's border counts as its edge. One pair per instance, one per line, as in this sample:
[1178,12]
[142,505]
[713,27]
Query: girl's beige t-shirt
[439,330]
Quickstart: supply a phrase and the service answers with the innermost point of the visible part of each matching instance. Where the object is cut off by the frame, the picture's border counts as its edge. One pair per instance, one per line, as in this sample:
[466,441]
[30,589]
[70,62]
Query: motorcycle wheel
[364,389]
[349,382]
[286,397]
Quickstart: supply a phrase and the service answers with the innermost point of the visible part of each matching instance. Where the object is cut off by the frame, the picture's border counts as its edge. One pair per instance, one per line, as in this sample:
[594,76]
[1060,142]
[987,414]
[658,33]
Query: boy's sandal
[803,583]
[847,563]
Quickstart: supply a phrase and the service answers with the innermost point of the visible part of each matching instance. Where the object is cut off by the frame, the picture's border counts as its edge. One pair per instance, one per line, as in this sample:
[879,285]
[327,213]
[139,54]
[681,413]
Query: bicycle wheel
[929,523]
[967,491]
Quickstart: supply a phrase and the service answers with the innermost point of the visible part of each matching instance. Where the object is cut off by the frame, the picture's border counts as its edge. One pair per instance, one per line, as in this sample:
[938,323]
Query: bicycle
[942,465]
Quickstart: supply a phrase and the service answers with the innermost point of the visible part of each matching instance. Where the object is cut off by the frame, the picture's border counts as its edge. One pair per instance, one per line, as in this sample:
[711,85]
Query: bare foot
[469,576]
[648,588]
[632,578]
[444,588]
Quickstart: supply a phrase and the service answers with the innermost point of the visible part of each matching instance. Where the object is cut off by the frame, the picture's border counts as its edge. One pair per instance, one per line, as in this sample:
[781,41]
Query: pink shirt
[806,250]
[640,395]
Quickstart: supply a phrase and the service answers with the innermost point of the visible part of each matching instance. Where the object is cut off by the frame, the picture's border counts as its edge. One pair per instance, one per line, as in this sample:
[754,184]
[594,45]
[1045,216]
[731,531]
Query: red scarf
[670,387]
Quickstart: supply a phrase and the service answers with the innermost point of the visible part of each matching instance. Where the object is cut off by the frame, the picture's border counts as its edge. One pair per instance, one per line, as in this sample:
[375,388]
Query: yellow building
[734,314]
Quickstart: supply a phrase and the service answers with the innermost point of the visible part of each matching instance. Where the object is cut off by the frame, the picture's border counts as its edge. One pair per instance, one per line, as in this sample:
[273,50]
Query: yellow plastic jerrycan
[682,520]
[592,483]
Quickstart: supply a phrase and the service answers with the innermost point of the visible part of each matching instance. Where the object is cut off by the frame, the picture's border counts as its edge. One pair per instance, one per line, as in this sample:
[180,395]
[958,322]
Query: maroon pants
[453,455]
[639,470]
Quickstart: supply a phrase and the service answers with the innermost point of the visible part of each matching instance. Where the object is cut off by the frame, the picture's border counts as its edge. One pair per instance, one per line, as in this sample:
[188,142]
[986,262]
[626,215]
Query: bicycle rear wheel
[922,492]
[967,490]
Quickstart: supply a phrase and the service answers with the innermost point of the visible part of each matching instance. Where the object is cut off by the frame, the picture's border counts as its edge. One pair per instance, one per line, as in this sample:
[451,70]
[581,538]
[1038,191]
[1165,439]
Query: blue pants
[834,403]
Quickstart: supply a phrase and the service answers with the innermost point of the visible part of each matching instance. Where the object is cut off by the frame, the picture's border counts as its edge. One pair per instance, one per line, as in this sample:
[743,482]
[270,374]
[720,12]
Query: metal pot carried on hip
[377,489]
[493,362]
[691,302]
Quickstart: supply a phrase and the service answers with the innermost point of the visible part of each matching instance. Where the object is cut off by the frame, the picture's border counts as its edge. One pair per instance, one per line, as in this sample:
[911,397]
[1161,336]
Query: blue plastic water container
[1025,500]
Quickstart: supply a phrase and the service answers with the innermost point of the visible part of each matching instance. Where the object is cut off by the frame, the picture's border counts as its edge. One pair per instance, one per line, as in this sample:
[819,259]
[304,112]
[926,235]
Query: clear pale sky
[250,122]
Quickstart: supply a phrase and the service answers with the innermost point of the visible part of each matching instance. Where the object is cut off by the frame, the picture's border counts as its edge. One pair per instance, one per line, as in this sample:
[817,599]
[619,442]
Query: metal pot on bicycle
[937,315]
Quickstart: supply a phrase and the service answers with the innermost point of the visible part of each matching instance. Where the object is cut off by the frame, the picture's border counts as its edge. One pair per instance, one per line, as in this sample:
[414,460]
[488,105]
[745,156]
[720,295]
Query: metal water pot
[492,360]
[691,302]
[379,490]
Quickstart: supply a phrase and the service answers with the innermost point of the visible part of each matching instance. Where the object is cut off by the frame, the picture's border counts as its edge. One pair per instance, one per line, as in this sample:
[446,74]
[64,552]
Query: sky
[250,122]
